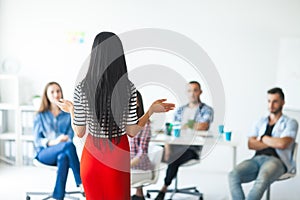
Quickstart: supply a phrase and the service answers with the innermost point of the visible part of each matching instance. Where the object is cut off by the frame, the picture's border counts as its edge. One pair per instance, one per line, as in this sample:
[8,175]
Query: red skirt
[105,170]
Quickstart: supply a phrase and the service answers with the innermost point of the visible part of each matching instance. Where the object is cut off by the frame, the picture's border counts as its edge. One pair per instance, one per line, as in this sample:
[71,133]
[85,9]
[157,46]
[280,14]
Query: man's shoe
[160,196]
[135,197]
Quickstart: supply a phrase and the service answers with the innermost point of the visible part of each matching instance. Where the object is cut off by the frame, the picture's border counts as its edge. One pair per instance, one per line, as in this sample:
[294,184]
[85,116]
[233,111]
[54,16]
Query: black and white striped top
[83,116]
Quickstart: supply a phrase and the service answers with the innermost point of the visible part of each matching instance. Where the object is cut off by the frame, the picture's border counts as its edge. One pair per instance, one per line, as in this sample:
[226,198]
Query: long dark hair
[140,106]
[45,103]
[106,84]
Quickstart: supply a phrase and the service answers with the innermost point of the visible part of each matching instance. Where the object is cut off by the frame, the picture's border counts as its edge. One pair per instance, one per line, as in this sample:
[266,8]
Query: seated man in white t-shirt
[202,116]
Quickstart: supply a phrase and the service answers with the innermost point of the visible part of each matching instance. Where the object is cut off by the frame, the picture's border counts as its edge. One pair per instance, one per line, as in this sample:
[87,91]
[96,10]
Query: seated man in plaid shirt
[202,116]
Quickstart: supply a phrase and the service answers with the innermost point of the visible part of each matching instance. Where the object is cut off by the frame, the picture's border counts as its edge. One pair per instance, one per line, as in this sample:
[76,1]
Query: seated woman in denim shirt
[53,136]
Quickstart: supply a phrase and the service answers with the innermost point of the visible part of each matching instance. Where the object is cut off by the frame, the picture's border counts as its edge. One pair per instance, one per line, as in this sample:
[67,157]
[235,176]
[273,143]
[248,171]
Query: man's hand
[254,143]
[276,142]
[201,126]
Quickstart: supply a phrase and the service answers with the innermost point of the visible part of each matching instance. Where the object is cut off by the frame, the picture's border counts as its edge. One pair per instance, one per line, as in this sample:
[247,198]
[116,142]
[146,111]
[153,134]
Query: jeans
[263,169]
[64,156]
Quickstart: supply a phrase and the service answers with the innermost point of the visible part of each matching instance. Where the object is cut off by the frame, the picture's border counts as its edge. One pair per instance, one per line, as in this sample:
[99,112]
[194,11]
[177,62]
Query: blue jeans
[263,169]
[64,156]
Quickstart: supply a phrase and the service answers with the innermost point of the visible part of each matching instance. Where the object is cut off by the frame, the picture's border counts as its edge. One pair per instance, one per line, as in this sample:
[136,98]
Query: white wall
[241,38]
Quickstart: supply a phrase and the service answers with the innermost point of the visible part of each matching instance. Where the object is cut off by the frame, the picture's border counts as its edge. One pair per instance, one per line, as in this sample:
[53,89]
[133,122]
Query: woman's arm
[79,130]
[68,106]
[39,138]
[157,106]
[59,139]
[41,134]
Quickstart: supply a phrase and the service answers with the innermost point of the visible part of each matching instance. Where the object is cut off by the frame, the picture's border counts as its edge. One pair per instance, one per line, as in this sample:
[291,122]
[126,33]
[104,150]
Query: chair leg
[268,193]
[189,190]
[49,195]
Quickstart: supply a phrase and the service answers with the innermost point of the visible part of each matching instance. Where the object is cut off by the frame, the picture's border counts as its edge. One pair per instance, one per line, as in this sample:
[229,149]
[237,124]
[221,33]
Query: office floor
[15,181]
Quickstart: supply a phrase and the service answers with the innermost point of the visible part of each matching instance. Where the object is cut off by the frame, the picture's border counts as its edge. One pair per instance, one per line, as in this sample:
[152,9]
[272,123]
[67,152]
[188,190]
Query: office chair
[49,194]
[155,155]
[189,190]
[288,174]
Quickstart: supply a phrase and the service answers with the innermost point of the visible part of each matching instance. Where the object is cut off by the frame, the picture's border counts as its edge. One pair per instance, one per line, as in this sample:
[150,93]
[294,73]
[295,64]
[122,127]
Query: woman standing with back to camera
[105,104]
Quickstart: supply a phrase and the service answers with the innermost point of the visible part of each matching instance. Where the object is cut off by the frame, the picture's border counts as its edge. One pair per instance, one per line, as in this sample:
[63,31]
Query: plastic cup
[177,132]
[168,128]
[221,129]
[228,135]
[176,129]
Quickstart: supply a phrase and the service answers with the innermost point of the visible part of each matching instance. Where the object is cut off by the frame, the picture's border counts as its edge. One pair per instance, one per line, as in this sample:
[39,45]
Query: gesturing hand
[65,105]
[159,106]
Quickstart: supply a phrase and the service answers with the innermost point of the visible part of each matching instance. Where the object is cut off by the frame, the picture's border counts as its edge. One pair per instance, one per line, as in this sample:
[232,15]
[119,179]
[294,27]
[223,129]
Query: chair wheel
[27,197]
[200,198]
[148,195]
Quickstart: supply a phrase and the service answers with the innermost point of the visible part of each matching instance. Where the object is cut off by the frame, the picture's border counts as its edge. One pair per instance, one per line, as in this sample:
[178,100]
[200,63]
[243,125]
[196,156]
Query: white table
[202,138]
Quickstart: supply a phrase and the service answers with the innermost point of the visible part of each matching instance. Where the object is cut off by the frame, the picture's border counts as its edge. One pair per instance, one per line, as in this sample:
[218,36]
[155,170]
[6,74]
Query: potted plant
[36,101]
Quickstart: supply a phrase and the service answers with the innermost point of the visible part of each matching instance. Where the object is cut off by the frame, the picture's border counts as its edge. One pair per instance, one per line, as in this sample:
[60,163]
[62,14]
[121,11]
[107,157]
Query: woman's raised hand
[159,106]
[65,105]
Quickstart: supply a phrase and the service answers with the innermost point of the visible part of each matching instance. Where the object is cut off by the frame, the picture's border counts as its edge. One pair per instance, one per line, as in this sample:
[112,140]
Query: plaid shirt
[203,114]
[139,148]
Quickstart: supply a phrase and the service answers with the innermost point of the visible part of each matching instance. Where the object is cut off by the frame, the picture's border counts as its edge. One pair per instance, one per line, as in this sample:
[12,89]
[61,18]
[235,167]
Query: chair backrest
[155,154]
[294,157]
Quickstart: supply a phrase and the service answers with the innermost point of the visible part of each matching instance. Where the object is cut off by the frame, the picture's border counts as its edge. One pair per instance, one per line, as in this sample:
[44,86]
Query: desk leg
[234,156]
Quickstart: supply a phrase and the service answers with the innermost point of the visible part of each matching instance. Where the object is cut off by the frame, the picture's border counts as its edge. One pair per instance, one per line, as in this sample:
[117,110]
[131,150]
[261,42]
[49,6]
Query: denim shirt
[284,127]
[47,127]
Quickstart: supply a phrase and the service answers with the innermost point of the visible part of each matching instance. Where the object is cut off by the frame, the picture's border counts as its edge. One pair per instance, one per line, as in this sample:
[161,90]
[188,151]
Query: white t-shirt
[188,114]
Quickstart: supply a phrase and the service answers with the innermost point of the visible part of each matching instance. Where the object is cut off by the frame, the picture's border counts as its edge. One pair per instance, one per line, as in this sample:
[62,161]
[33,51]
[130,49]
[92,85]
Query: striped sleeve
[79,107]
[132,118]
